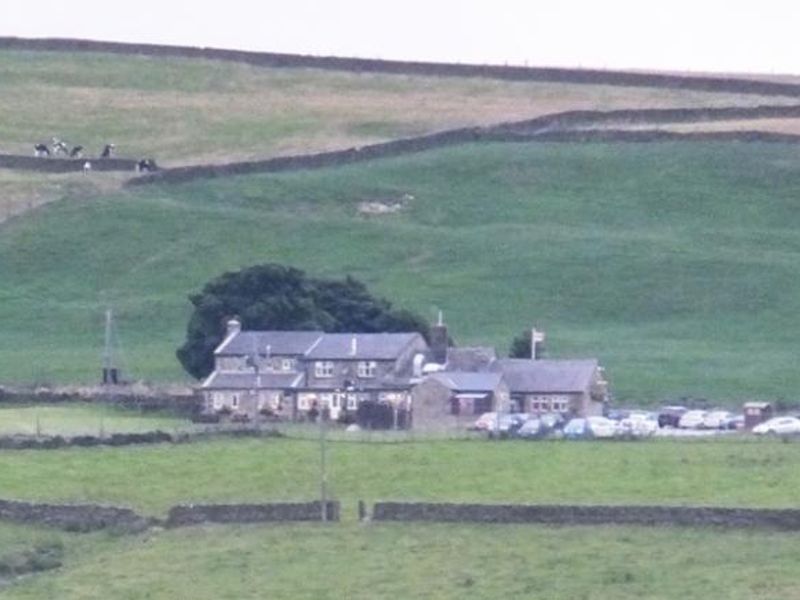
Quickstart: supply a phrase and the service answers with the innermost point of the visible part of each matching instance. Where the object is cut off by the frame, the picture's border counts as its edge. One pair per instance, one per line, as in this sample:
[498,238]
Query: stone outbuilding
[448,400]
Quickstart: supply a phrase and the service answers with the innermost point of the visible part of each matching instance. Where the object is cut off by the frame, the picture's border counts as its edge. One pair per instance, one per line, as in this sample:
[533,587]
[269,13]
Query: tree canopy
[281,298]
[521,346]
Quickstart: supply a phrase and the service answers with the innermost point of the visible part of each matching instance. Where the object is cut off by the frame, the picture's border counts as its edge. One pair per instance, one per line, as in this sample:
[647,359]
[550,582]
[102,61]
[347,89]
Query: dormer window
[366,368]
[323,368]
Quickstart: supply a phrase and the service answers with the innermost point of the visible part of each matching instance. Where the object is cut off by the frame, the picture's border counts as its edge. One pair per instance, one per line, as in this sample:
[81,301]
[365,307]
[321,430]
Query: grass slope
[199,110]
[676,264]
[432,561]
[151,479]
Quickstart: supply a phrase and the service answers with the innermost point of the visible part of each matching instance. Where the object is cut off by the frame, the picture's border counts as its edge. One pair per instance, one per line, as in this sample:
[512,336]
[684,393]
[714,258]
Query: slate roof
[368,346]
[546,376]
[281,343]
[471,359]
[249,381]
[468,382]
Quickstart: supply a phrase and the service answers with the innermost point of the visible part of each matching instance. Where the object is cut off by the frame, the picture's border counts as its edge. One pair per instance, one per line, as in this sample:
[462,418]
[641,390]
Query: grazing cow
[108,150]
[76,152]
[87,166]
[146,164]
[59,147]
[40,150]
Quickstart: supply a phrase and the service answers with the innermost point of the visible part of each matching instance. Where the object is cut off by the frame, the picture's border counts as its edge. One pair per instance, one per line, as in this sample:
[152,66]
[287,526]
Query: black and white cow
[40,150]
[146,165]
[60,147]
[108,150]
[76,152]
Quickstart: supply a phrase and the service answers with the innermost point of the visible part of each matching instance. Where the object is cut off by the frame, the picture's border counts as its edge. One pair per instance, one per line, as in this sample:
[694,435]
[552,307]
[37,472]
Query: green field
[753,473]
[382,562]
[81,420]
[675,264]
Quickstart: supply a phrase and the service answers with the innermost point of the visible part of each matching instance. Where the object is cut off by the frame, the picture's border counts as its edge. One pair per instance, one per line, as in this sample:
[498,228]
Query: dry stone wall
[194,514]
[786,519]
[73,517]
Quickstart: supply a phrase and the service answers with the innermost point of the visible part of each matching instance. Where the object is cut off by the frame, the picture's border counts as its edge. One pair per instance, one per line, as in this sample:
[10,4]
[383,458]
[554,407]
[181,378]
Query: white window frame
[323,368]
[286,364]
[352,402]
[367,368]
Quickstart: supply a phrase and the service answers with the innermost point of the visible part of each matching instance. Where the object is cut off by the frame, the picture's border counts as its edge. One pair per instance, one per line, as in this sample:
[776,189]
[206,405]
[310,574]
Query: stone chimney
[234,326]
[353,346]
[439,342]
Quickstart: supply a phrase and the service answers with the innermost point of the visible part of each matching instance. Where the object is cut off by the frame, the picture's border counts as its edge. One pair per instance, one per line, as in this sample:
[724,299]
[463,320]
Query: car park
[778,426]
[692,419]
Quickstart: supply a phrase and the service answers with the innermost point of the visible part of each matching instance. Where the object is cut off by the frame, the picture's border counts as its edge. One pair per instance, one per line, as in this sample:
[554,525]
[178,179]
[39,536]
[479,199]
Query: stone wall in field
[559,127]
[195,514]
[73,517]
[360,65]
[788,519]
[64,165]
[184,404]
[56,442]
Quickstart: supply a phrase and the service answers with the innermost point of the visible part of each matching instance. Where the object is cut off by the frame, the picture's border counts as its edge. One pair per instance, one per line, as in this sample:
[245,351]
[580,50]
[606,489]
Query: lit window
[323,369]
[366,368]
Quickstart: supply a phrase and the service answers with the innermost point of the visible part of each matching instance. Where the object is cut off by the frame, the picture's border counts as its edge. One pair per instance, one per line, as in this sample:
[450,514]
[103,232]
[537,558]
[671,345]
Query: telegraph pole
[323,468]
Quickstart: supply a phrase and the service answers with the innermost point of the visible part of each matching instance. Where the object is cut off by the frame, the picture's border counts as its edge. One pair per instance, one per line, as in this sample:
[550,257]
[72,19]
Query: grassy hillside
[675,264]
[189,110]
[440,562]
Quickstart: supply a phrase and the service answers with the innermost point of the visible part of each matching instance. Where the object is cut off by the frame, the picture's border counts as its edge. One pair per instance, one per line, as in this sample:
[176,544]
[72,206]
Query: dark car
[670,416]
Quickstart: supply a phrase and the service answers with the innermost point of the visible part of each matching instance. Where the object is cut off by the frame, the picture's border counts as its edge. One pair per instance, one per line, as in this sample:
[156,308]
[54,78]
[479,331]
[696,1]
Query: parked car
[716,419]
[778,426]
[602,427]
[507,424]
[485,422]
[736,422]
[692,419]
[670,416]
[639,424]
[577,429]
[532,429]
[553,421]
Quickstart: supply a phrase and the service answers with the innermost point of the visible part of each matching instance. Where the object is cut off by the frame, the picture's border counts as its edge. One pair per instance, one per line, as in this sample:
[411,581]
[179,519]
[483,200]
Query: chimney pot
[234,326]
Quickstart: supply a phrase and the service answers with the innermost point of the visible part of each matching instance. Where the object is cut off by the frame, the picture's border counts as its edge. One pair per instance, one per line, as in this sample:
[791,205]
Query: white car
[601,427]
[778,426]
[485,422]
[692,419]
[639,424]
[717,419]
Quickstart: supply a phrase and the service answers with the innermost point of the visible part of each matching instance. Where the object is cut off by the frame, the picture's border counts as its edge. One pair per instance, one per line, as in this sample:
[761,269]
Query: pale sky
[683,35]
